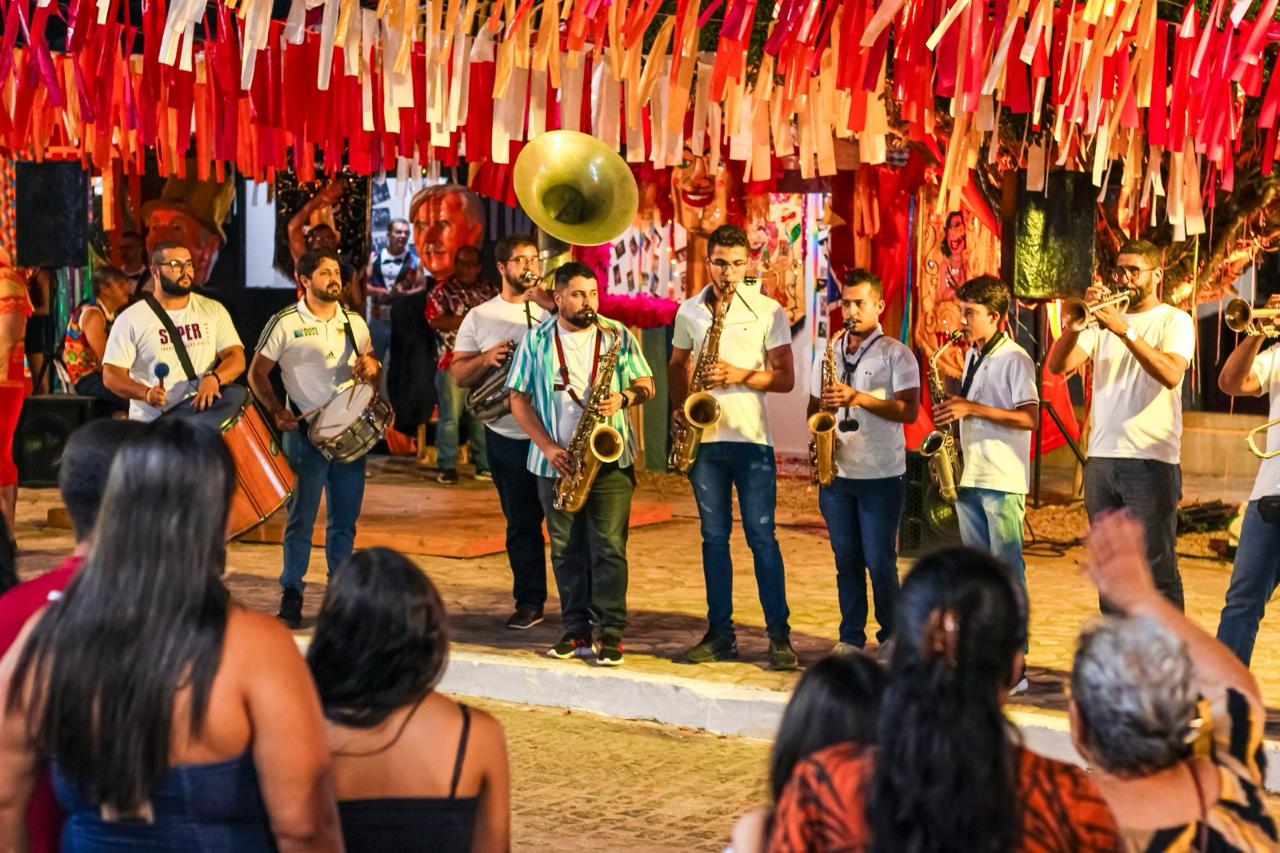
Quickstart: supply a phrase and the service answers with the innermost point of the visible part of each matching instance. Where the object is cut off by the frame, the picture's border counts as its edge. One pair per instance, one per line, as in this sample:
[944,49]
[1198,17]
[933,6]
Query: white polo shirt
[314,355]
[489,324]
[139,341]
[1134,416]
[998,457]
[882,367]
[1266,369]
[754,324]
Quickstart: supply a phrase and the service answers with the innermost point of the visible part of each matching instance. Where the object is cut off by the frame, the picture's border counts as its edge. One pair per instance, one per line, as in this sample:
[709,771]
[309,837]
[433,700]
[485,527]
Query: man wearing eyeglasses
[141,339]
[1140,356]
[737,452]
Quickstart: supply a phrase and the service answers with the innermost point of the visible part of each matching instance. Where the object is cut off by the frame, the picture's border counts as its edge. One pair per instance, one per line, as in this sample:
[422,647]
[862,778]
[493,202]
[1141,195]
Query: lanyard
[972,372]
[563,384]
[851,372]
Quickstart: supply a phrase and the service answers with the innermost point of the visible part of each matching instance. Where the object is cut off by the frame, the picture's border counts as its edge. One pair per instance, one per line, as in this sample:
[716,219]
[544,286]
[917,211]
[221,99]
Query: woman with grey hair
[1169,719]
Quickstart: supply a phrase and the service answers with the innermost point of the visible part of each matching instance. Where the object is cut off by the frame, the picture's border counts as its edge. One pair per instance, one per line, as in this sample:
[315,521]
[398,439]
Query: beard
[582,319]
[331,293]
[174,288]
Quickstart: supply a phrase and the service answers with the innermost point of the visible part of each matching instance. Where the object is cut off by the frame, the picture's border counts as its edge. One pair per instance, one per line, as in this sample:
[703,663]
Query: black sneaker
[713,647]
[290,612]
[571,646]
[448,476]
[524,618]
[781,656]
[609,650]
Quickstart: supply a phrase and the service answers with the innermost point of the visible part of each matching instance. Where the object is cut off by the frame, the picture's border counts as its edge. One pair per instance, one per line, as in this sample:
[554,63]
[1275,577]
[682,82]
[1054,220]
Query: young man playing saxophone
[877,390]
[754,358]
[553,375]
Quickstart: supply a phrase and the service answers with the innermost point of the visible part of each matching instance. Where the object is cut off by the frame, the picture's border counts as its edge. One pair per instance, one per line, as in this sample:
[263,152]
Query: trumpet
[1077,314]
[1240,316]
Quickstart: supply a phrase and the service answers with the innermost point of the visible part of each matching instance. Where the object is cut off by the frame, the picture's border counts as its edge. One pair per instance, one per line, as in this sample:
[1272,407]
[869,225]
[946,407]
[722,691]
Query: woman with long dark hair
[947,772]
[173,718]
[414,770]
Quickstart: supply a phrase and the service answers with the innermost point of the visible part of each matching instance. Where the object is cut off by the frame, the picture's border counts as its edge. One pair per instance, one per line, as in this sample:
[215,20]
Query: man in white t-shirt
[737,452]
[1139,360]
[877,390]
[1256,572]
[486,340]
[997,409]
[319,346]
[139,342]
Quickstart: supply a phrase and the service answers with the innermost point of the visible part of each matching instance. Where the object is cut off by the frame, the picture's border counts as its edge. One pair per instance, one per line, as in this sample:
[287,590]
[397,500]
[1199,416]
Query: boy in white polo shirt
[319,346]
[877,390]
[997,409]
[736,453]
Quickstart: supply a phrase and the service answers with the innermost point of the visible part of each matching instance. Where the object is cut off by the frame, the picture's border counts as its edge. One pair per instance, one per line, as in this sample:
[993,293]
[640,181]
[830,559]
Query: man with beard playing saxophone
[754,358]
[553,377]
[877,390]
[486,339]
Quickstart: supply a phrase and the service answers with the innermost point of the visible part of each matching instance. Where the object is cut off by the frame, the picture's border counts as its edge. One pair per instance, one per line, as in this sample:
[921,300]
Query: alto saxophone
[701,409]
[940,446]
[594,442]
[822,423]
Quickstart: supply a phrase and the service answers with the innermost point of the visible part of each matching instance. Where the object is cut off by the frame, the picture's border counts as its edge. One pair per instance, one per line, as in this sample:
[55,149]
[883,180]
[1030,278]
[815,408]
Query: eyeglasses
[725,266]
[178,266]
[522,261]
[1126,273]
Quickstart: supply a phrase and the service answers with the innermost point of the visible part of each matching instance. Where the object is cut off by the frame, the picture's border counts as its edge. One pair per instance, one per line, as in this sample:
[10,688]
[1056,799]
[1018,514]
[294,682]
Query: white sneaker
[1021,687]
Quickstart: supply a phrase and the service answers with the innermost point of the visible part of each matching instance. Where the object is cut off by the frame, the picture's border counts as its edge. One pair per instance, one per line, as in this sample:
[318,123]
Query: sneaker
[290,612]
[609,650]
[571,646]
[524,618]
[781,656]
[1022,686]
[448,476]
[484,475]
[713,647]
[846,649]
[884,651]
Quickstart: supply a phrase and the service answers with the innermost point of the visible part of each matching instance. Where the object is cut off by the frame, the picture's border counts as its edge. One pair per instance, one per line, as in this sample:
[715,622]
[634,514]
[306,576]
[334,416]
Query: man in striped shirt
[550,379]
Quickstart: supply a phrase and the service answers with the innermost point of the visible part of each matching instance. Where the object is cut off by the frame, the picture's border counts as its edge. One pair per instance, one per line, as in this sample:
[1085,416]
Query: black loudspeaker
[51,203]
[46,423]
[1047,242]
[927,521]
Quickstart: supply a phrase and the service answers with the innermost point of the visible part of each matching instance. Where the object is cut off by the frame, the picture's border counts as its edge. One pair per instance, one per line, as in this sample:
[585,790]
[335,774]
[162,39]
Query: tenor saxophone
[701,409]
[594,442]
[940,446]
[822,423]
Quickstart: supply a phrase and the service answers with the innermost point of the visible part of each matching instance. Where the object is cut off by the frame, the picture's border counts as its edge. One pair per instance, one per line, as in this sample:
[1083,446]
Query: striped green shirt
[534,369]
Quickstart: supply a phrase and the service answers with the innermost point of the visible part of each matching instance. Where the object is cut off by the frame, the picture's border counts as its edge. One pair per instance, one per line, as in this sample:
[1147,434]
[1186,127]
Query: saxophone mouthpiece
[956,336]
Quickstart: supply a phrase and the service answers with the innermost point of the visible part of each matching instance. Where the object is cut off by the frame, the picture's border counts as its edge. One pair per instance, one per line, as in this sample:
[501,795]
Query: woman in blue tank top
[173,718]
[413,769]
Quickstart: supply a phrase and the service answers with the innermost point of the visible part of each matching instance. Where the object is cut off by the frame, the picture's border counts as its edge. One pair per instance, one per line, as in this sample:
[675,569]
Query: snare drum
[264,480]
[348,426]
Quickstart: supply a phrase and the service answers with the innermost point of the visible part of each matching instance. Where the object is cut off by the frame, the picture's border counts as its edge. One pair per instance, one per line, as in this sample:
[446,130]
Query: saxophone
[940,446]
[701,409]
[594,442]
[822,423]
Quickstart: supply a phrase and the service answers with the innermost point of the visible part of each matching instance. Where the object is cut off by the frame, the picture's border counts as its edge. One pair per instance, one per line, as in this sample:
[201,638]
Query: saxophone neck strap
[563,383]
[851,370]
[972,372]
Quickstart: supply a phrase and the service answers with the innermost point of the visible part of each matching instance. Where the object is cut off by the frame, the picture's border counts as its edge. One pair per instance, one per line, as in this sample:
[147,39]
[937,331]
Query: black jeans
[518,493]
[91,385]
[1150,491]
[589,551]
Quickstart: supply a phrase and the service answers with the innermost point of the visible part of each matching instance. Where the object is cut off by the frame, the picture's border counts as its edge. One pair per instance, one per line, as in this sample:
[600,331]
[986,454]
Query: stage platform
[667,604]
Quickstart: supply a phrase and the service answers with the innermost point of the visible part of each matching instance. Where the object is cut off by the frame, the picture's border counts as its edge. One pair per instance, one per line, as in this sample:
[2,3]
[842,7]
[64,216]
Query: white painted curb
[679,701]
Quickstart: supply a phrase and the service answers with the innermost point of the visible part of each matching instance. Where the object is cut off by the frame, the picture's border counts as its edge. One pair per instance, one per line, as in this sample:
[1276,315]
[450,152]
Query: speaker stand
[1041,333]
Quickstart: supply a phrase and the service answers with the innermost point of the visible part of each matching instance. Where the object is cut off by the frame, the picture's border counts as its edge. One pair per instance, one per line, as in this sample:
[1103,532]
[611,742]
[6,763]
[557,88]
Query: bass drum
[264,480]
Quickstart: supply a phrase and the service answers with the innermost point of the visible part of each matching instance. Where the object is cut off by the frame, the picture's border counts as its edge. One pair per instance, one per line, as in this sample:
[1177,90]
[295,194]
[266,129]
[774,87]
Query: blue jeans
[380,337]
[991,520]
[451,399]
[343,488]
[721,467]
[862,523]
[1150,491]
[1253,578]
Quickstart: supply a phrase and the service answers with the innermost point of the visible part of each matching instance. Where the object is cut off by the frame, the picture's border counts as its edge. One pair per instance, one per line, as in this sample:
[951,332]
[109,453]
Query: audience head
[1133,696]
[943,771]
[150,594]
[86,461]
[836,700]
[380,641]
[112,289]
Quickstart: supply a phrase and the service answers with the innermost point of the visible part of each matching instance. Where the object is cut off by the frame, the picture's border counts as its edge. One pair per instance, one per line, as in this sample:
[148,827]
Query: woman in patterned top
[947,771]
[1169,718]
[87,331]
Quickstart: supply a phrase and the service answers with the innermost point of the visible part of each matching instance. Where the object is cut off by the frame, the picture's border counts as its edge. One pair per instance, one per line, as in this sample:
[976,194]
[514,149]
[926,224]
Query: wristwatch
[214,374]
[1130,335]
